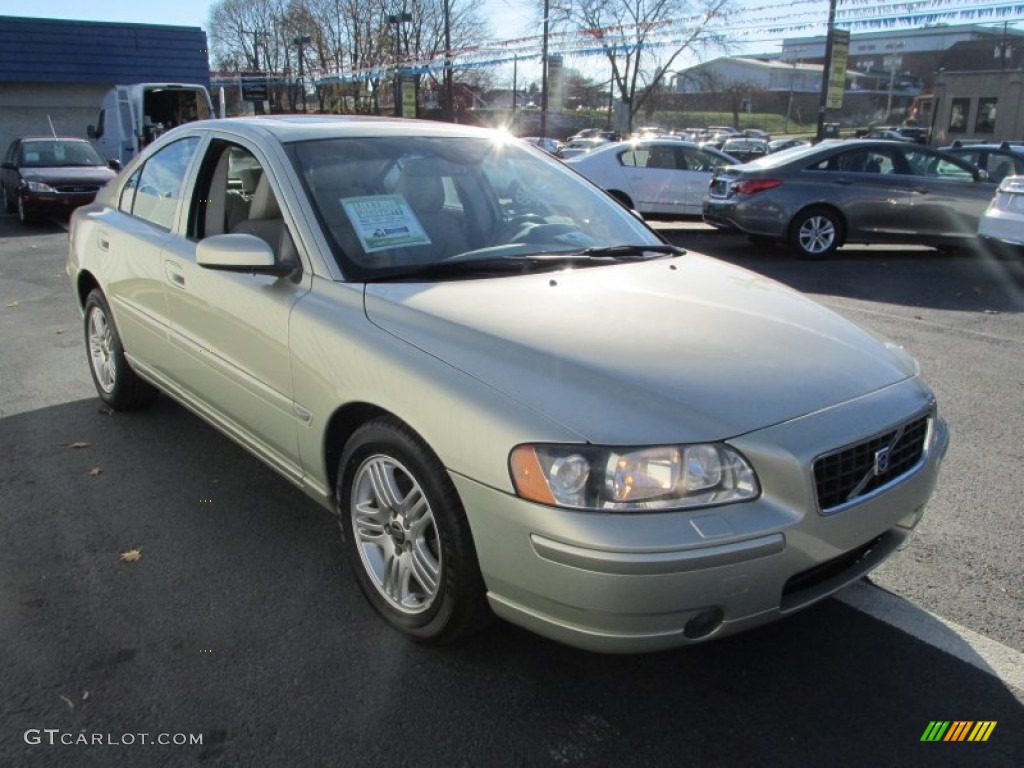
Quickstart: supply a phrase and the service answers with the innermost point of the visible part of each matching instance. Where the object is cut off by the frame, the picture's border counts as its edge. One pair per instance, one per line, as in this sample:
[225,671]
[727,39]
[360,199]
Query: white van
[134,115]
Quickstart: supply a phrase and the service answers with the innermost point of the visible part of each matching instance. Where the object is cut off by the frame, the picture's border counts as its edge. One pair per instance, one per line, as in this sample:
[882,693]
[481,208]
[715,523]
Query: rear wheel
[117,384]
[406,534]
[816,233]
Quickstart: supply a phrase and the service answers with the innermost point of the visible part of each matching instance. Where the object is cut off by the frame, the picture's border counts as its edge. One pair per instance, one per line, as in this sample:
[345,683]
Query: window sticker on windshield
[384,221]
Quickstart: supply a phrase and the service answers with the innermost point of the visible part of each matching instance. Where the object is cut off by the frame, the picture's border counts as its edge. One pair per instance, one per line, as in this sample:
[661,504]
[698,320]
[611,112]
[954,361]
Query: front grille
[856,471]
[79,189]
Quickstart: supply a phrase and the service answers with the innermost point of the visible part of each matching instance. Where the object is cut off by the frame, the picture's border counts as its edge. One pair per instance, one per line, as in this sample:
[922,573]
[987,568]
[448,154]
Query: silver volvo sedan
[517,398]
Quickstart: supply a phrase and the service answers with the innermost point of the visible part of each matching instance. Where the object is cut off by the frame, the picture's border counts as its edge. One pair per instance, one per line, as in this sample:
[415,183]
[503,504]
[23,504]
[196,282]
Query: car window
[701,160]
[861,160]
[923,163]
[160,181]
[235,196]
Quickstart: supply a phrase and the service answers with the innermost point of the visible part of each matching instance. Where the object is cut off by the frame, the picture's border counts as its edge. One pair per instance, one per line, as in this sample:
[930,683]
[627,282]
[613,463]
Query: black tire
[9,204]
[25,216]
[412,553]
[816,233]
[116,383]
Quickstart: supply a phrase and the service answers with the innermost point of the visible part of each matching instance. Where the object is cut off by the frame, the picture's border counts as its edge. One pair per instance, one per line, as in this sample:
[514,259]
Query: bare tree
[642,39]
[354,47]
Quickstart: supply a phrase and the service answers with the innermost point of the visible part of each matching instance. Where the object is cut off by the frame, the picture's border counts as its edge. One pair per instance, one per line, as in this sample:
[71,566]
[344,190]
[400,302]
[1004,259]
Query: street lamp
[302,41]
[398,19]
[894,61]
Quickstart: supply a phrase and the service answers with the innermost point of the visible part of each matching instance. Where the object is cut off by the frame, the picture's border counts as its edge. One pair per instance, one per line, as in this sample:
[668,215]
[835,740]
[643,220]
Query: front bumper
[642,582]
[55,202]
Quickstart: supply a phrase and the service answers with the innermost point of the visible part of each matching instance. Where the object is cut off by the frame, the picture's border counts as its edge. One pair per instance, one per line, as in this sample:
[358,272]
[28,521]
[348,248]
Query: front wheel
[117,384]
[816,233]
[406,534]
[25,216]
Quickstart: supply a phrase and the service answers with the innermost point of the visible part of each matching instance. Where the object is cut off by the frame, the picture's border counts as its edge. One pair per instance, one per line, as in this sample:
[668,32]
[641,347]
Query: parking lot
[239,622]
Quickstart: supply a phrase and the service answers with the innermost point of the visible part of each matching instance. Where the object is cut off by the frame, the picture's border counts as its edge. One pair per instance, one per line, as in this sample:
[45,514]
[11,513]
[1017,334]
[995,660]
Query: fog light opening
[703,624]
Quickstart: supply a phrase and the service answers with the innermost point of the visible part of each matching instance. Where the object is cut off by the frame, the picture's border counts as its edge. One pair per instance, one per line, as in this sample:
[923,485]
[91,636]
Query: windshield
[404,206]
[52,153]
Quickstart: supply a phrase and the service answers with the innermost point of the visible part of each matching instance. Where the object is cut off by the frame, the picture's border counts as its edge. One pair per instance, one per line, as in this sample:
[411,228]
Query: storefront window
[958,115]
[986,121]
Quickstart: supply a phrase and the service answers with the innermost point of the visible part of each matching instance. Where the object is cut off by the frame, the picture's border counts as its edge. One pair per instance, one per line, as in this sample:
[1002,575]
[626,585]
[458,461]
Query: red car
[48,175]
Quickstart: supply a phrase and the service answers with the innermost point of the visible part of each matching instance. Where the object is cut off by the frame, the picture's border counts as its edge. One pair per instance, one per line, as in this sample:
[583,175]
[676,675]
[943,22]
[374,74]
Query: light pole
[894,61]
[302,41]
[397,19]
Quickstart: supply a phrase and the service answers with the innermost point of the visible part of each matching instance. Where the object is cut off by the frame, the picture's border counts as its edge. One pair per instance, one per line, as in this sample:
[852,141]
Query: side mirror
[7,164]
[90,131]
[239,253]
[983,175]
[114,164]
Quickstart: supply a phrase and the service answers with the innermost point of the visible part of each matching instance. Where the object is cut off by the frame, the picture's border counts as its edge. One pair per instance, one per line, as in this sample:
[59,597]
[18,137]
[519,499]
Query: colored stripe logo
[958,730]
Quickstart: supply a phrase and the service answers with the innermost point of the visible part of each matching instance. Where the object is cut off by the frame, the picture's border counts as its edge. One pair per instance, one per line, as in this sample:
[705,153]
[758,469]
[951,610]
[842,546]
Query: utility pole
[826,69]
[449,96]
[544,76]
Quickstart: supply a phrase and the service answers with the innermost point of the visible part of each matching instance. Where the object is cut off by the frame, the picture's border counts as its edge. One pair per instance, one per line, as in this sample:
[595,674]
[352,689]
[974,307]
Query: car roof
[52,138]
[290,128]
[1017,149]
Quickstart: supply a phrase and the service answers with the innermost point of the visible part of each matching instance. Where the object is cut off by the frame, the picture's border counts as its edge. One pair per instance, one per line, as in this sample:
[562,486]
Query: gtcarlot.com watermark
[54,737]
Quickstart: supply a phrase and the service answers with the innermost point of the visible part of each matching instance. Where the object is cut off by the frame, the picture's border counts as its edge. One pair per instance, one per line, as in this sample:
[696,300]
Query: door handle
[174,274]
[844,182]
[922,190]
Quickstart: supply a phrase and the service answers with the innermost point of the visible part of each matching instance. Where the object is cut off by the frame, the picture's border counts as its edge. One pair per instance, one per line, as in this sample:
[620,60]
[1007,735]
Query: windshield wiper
[626,252]
[496,265]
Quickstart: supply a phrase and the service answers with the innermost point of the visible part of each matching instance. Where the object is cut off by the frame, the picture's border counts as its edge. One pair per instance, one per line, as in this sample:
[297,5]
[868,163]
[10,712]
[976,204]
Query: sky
[508,19]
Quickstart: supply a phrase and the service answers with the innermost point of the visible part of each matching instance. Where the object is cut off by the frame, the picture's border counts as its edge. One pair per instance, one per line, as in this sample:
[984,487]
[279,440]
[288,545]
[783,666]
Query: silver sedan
[517,398]
[818,198]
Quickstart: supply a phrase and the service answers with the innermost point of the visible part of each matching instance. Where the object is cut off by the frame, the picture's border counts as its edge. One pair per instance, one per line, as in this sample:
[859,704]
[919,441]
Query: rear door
[129,241]
[864,183]
[655,181]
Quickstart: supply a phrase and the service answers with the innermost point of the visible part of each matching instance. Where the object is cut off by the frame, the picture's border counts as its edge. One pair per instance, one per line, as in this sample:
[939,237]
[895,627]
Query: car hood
[73,174]
[675,350]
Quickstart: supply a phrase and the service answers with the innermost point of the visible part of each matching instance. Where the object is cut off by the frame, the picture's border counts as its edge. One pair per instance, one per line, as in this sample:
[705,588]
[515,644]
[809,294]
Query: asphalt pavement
[235,633]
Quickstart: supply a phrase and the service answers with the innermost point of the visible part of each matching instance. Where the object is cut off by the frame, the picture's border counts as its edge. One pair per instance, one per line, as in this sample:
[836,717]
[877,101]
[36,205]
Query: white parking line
[965,644]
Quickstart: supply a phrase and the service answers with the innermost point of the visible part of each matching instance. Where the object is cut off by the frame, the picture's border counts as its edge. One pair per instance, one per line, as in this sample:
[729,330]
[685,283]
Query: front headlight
[637,479]
[38,186]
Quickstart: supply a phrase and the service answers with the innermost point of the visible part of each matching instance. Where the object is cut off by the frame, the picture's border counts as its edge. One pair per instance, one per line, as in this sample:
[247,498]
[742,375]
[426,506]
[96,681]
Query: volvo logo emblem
[882,461]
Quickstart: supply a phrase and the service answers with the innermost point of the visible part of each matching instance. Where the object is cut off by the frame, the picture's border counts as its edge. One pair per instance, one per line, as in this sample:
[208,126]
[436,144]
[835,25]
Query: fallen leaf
[1008,592]
[60,331]
[95,472]
[85,695]
[131,556]
[68,702]
[977,290]
[12,303]
[105,411]
[918,317]
[77,444]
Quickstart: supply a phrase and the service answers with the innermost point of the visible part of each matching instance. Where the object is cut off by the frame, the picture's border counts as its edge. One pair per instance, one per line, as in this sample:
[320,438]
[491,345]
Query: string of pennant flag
[749,25]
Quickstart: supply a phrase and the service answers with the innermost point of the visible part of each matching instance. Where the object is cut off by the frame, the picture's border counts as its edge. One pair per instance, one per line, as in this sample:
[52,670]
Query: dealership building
[57,71]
